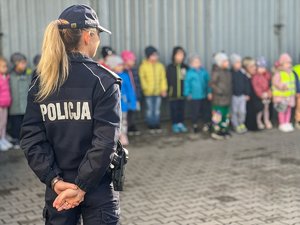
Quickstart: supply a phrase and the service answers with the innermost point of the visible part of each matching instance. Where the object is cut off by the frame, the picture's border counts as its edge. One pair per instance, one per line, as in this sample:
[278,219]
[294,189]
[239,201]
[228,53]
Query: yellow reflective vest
[290,81]
[297,70]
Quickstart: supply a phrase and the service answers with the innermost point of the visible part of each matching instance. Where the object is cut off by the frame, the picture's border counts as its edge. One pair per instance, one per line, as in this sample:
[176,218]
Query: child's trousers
[238,110]
[220,118]
[3,121]
[177,110]
[201,108]
[15,123]
[153,111]
[285,117]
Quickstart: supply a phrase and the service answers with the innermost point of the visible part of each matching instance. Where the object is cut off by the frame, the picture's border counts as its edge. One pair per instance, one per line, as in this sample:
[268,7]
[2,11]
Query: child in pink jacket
[5,101]
[261,83]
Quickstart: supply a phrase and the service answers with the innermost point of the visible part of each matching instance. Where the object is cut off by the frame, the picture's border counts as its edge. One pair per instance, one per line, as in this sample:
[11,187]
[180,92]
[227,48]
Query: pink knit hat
[127,55]
[285,57]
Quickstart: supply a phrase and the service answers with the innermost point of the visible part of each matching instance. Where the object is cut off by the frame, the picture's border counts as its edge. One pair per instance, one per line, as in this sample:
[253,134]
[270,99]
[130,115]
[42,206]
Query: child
[296,70]
[128,98]
[20,80]
[284,91]
[254,104]
[175,76]
[5,101]
[221,83]
[241,92]
[261,82]
[129,64]
[154,85]
[196,89]
[106,51]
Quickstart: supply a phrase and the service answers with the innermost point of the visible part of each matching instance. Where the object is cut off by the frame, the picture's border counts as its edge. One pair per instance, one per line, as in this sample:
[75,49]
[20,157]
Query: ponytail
[53,67]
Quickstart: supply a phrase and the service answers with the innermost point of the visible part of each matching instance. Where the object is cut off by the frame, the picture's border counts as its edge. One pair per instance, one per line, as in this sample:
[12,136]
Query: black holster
[117,167]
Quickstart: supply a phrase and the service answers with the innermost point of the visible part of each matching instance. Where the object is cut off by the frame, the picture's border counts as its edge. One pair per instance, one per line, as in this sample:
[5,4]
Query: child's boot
[297,125]
[218,135]
[269,125]
[195,128]
[182,128]
[3,146]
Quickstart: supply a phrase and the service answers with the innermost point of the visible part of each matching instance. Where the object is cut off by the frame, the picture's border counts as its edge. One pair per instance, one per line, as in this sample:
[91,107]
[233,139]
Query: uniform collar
[78,57]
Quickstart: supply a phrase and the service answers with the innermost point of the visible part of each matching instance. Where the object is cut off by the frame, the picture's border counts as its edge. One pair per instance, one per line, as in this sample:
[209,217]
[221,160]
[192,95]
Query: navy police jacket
[75,129]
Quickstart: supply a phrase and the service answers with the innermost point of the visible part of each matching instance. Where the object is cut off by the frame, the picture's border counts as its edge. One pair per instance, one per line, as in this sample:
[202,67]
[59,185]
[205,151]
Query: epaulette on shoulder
[111,73]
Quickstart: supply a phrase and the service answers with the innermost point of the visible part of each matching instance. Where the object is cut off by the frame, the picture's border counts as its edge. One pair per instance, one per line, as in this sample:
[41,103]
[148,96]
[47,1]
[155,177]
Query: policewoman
[72,123]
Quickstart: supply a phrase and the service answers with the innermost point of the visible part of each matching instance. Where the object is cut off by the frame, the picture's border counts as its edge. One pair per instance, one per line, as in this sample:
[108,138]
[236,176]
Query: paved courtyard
[252,179]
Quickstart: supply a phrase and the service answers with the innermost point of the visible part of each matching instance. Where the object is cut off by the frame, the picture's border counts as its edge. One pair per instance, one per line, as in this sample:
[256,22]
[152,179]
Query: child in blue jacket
[128,97]
[197,90]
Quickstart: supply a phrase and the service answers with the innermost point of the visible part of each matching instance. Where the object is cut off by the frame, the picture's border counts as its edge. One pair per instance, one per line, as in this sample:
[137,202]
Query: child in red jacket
[5,101]
[261,83]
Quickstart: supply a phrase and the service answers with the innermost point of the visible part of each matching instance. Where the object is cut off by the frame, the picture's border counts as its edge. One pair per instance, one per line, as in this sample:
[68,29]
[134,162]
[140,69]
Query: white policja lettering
[66,111]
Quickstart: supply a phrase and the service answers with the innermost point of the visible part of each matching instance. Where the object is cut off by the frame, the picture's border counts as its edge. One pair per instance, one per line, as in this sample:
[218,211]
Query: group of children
[239,93]
[14,85]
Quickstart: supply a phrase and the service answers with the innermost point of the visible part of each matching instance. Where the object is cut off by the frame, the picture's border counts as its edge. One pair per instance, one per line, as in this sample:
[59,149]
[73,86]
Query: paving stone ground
[253,179]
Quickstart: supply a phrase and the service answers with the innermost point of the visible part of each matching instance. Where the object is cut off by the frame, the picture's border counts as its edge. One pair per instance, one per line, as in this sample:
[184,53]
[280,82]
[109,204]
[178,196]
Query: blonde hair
[53,68]
[248,61]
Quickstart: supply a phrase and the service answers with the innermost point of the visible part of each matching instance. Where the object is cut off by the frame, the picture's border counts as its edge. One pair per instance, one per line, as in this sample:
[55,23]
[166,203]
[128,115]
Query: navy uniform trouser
[100,207]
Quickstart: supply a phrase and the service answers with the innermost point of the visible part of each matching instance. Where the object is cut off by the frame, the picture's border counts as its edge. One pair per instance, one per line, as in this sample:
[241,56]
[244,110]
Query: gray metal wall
[202,26]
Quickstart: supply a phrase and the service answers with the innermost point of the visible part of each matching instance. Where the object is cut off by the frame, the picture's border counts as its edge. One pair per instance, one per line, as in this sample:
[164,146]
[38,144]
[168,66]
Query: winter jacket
[261,84]
[196,84]
[240,83]
[74,132]
[153,78]
[128,97]
[5,97]
[19,85]
[175,77]
[221,84]
[135,81]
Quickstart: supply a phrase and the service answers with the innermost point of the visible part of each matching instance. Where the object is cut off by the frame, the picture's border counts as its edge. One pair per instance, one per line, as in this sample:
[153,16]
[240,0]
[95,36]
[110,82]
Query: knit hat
[150,50]
[113,61]
[235,58]
[106,51]
[261,62]
[17,57]
[127,56]
[220,58]
[285,57]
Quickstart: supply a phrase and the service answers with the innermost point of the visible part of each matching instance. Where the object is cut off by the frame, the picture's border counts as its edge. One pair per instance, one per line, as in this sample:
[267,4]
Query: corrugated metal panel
[203,26]
[23,23]
[247,27]
[164,24]
[291,29]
